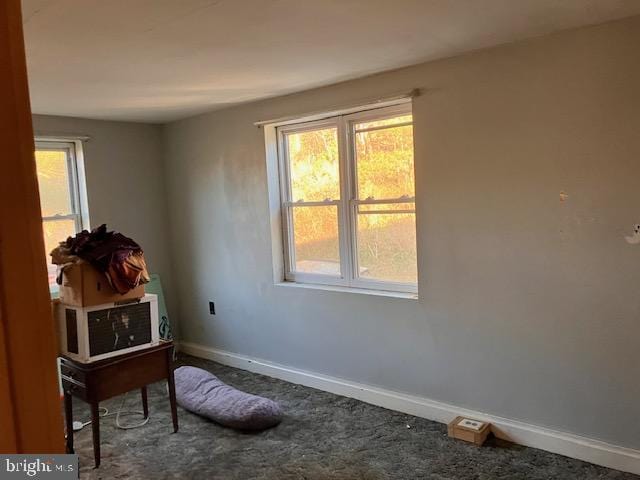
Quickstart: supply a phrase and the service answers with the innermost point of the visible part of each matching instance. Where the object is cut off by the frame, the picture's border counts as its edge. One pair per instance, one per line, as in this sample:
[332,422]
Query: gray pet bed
[203,393]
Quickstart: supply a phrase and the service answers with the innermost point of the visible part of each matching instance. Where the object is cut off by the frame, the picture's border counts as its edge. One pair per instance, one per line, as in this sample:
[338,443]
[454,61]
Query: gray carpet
[323,437]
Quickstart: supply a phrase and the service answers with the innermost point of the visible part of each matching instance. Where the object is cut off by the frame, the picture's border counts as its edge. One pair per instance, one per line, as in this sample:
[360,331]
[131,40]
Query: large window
[348,200]
[62,194]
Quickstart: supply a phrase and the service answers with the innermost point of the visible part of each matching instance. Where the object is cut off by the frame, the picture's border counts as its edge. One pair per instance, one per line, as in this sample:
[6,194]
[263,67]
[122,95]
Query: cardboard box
[469,430]
[84,286]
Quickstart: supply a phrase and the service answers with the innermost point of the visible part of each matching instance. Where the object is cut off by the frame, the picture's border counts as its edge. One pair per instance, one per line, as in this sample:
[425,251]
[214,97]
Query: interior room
[320,239]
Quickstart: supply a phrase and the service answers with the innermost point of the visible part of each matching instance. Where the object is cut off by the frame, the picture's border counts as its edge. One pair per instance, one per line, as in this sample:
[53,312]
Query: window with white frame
[348,200]
[62,194]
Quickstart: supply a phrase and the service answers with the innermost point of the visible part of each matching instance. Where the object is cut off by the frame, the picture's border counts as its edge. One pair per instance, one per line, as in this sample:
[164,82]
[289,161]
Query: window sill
[361,291]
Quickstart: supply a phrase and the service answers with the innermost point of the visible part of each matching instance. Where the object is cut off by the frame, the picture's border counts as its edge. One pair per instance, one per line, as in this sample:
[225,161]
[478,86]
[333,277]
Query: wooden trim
[8,439]
[30,407]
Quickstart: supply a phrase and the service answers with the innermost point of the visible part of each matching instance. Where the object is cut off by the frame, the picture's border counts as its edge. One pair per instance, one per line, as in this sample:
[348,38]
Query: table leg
[68,415]
[172,399]
[95,428]
[145,405]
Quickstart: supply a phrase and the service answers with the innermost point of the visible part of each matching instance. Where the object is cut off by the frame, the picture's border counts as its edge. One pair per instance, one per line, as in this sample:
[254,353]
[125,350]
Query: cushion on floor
[203,393]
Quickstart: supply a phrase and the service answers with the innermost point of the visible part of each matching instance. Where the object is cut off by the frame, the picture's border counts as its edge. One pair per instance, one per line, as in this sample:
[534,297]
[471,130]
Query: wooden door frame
[30,409]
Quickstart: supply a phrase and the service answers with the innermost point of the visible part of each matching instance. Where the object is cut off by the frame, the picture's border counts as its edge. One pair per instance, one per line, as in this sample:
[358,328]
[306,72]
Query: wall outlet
[476,425]
[212,308]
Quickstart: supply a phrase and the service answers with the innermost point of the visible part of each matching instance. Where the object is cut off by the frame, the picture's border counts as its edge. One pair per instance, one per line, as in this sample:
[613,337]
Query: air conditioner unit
[87,334]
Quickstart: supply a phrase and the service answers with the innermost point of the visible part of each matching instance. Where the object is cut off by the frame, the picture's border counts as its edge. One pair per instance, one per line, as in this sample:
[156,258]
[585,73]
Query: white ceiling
[161,60]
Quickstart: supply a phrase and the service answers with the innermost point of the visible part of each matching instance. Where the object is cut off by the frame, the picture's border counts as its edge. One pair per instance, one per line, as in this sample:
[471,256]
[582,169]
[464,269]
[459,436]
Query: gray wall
[529,307]
[125,184]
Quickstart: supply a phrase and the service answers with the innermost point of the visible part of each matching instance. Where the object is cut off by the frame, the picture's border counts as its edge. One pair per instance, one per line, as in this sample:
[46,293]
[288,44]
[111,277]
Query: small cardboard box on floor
[84,286]
[469,430]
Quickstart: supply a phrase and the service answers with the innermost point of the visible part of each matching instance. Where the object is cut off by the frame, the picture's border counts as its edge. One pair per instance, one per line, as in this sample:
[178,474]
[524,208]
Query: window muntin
[348,200]
[59,188]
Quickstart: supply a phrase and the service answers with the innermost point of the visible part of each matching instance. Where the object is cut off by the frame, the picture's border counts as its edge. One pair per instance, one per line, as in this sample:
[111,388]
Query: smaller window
[62,195]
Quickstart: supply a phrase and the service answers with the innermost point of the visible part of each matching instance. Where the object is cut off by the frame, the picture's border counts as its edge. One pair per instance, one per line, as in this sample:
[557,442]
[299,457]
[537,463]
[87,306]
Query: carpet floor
[322,437]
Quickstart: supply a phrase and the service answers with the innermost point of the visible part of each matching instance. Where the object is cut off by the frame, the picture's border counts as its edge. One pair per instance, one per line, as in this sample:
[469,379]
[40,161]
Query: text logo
[53,467]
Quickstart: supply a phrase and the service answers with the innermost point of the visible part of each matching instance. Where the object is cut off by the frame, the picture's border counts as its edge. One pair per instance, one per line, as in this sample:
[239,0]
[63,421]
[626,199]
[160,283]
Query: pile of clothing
[118,257]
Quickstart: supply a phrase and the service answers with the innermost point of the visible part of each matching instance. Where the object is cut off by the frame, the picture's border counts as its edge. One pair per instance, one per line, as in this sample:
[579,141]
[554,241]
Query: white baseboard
[575,446]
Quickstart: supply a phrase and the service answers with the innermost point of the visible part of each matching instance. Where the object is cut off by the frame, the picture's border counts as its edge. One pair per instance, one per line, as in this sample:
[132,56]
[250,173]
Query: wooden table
[98,381]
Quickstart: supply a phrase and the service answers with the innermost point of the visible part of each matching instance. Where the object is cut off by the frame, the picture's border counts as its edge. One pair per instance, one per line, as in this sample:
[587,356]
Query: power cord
[104,412]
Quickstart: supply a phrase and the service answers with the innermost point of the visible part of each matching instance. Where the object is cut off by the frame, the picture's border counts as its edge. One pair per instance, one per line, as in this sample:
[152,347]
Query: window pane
[56,231]
[315,232]
[53,182]
[387,247]
[384,163]
[313,164]
[384,122]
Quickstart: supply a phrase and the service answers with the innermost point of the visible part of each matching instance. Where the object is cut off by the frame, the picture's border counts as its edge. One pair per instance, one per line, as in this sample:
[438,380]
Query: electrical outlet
[470,423]
[212,308]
